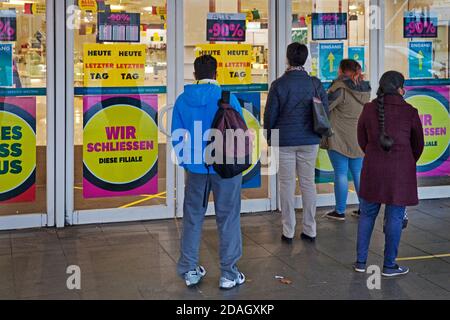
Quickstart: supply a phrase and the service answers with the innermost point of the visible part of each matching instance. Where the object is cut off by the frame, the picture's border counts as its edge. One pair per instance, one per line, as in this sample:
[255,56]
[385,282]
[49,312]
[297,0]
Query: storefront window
[120,83]
[333,30]
[23,107]
[417,44]
[237,33]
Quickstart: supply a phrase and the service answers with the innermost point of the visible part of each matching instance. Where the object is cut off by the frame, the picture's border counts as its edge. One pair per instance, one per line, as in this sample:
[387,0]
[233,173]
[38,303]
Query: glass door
[333,30]
[120,78]
[237,34]
[26,139]
[421,53]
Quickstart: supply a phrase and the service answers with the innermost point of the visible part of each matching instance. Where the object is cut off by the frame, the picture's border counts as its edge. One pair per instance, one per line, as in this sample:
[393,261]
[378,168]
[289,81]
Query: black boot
[305,237]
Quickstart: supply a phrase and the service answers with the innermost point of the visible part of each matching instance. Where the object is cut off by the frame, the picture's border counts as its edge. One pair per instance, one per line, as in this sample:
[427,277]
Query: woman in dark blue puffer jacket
[289,110]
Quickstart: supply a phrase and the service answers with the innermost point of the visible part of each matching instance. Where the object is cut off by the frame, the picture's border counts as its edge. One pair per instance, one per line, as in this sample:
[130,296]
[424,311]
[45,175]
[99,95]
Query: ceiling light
[117,7]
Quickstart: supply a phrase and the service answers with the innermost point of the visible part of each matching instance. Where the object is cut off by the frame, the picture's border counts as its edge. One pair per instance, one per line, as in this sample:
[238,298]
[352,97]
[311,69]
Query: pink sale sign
[120,145]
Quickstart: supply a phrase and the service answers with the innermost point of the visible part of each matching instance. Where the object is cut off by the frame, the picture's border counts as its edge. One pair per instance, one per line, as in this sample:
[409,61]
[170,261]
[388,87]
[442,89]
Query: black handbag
[322,125]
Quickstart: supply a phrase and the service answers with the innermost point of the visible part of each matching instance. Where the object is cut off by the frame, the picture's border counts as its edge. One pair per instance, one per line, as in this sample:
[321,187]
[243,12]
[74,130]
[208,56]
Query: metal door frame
[252,205]
[46,219]
[65,207]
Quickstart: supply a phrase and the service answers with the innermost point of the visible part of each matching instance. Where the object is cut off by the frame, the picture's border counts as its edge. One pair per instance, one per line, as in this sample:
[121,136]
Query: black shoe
[356,213]
[335,216]
[305,237]
[405,223]
[286,239]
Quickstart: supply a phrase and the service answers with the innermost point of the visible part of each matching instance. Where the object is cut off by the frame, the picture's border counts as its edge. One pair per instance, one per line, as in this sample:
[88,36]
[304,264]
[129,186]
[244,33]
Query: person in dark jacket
[347,97]
[391,135]
[289,110]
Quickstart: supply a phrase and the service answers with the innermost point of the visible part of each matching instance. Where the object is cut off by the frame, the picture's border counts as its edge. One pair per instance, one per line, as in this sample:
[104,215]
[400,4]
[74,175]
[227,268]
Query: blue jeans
[394,216]
[342,165]
[227,202]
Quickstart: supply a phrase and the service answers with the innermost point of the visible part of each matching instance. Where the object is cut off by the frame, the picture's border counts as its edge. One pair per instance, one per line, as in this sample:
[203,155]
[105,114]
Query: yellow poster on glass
[88,5]
[234,62]
[114,65]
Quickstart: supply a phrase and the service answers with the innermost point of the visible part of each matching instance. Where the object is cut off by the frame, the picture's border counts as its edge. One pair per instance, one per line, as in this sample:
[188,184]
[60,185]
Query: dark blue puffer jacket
[289,108]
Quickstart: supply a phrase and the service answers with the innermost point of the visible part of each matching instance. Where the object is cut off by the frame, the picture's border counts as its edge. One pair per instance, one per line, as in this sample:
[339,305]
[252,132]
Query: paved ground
[137,261]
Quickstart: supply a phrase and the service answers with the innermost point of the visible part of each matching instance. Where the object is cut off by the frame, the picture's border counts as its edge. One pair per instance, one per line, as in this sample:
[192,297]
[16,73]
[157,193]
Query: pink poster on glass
[17,149]
[433,106]
[120,145]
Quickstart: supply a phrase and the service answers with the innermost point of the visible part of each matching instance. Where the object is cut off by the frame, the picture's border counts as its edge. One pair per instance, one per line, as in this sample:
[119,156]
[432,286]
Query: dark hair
[352,69]
[297,54]
[205,67]
[390,82]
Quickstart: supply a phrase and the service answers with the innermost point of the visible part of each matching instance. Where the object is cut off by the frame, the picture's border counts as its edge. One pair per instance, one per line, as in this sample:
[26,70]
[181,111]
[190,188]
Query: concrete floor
[137,261]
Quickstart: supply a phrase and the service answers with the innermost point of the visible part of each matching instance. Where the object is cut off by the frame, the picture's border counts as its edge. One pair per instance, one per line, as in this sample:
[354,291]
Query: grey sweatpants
[298,161]
[227,203]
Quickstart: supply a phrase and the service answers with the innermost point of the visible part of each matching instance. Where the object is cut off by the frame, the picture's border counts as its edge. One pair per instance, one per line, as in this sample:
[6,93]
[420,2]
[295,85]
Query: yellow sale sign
[88,5]
[234,62]
[114,65]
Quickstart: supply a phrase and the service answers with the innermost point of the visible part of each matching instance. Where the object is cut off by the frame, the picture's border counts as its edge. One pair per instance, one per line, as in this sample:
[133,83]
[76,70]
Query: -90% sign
[421,28]
[226,28]
[7,31]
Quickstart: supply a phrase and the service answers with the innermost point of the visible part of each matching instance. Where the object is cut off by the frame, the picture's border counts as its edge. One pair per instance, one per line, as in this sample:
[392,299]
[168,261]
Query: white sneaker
[194,277]
[227,284]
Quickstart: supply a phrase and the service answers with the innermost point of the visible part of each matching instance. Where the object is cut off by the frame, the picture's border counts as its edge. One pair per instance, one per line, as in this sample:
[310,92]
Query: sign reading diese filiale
[114,65]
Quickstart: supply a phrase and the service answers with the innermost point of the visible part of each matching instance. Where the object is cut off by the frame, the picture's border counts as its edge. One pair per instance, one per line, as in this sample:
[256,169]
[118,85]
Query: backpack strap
[316,90]
[224,103]
[225,99]
[206,191]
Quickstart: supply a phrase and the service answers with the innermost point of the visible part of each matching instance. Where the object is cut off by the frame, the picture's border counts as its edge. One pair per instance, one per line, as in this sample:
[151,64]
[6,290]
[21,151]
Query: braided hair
[390,82]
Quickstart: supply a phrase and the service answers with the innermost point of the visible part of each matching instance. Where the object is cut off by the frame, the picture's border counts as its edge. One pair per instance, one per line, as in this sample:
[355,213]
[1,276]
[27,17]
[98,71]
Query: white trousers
[298,162]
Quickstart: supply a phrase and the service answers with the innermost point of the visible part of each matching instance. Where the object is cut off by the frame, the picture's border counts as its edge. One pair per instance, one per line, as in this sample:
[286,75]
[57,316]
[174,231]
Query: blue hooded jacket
[194,112]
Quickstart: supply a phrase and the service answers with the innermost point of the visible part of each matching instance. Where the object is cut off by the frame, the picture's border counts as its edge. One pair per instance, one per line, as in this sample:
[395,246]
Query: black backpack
[235,156]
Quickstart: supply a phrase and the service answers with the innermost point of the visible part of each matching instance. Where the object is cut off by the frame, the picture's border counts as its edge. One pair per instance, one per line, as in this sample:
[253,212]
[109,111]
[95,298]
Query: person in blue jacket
[193,116]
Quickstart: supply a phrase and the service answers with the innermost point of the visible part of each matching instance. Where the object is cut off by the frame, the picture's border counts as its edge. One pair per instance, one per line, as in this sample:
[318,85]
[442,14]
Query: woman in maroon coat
[390,134]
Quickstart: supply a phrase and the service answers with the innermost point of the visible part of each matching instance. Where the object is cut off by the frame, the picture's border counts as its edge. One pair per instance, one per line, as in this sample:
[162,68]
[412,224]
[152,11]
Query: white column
[283,34]
[376,20]
[60,112]
[171,97]
[50,114]
[179,66]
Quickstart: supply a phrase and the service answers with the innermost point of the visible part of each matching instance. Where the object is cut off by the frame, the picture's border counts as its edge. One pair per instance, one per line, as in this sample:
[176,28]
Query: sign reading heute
[234,61]
[114,65]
